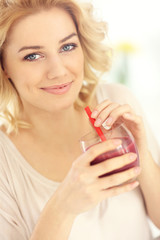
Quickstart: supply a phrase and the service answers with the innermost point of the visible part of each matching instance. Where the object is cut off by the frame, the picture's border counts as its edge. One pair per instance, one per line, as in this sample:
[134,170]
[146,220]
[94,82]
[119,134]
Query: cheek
[20,72]
[81,63]
[22,76]
[21,80]
[78,64]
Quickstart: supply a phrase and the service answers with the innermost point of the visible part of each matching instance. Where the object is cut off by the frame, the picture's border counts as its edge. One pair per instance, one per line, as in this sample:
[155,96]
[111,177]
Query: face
[44,59]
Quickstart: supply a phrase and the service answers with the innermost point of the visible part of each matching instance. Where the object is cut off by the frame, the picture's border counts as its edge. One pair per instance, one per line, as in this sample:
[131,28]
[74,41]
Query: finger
[118,113]
[119,190]
[113,164]
[103,115]
[96,111]
[135,124]
[119,178]
[133,117]
[96,150]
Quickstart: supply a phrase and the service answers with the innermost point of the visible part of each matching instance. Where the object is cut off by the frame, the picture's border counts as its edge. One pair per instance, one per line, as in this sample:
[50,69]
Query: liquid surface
[127,146]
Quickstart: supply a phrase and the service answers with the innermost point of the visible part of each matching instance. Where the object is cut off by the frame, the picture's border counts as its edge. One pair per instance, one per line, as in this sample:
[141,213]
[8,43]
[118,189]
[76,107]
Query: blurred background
[134,32]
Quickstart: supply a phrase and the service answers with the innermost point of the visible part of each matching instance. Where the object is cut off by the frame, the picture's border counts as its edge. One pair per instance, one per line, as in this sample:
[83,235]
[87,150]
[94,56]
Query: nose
[56,68]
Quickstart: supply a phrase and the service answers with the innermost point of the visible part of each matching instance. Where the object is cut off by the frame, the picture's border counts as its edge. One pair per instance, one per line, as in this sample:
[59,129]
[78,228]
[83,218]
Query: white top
[24,192]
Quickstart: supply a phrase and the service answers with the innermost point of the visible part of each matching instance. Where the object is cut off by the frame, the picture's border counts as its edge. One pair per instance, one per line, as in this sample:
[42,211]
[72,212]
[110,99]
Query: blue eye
[69,47]
[32,57]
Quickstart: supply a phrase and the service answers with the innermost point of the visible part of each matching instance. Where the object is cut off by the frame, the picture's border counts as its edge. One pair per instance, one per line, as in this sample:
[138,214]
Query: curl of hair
[91,32]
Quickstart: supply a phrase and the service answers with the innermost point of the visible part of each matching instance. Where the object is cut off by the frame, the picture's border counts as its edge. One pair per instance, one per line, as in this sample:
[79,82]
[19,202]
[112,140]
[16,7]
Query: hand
[82,188]
[109,113]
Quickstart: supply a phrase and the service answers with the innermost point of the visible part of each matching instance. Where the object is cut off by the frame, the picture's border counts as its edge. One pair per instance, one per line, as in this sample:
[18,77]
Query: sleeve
[123,95]
[11,221]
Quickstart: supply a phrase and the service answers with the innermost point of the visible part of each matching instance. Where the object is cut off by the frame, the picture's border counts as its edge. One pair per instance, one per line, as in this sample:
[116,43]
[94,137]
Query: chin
[63,106]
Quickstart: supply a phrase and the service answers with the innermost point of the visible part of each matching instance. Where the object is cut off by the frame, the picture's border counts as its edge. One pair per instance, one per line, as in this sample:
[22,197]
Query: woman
[48,190]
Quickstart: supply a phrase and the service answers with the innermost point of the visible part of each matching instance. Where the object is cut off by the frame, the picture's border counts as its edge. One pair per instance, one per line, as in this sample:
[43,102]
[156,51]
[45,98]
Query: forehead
[54,24]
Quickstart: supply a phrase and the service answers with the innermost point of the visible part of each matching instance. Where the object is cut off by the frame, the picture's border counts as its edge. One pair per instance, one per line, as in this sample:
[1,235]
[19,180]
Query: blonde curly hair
[91,33]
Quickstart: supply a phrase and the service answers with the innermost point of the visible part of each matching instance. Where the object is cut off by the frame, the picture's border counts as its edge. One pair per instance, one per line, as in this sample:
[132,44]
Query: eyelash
[72,45]
[26,58]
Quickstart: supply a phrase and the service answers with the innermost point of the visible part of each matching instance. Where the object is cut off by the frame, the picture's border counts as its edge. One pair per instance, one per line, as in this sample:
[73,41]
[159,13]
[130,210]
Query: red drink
[127,146]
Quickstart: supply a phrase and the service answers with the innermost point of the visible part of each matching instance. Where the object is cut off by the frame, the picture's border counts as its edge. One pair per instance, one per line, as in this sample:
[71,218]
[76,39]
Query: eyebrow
[29,47]
[68,37]
[40,47]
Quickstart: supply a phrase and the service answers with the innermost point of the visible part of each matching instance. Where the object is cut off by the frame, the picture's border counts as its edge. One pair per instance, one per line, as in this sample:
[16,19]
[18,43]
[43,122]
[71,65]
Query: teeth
[61,87]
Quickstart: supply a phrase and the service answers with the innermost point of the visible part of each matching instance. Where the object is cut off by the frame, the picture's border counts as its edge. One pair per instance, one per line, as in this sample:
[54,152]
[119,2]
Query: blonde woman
[52,54]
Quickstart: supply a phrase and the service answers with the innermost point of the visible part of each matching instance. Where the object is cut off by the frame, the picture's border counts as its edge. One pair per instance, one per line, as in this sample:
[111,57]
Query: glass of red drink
[118,132]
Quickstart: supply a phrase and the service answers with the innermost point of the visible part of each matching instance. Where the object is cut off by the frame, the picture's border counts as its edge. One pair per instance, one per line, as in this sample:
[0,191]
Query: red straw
[92,120]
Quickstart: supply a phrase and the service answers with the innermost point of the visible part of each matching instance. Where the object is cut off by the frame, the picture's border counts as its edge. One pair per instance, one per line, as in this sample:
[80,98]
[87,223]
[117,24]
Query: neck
[57,127]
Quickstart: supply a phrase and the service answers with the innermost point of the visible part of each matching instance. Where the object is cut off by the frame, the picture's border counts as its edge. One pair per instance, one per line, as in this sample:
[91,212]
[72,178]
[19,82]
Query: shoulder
[4,150]
[4,167]
[115,90]
[2,140]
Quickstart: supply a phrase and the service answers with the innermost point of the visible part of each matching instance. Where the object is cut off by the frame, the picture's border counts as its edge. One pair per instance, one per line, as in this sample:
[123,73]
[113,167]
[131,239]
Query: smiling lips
[58,89]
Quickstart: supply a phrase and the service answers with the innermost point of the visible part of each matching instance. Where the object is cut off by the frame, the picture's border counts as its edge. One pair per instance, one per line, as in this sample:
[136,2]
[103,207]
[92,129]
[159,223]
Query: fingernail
[106,127]
[98,122]
[108,121]
[94,114]
[127,115]
[117,142]
[137,170]
[134,184]
[132,156]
